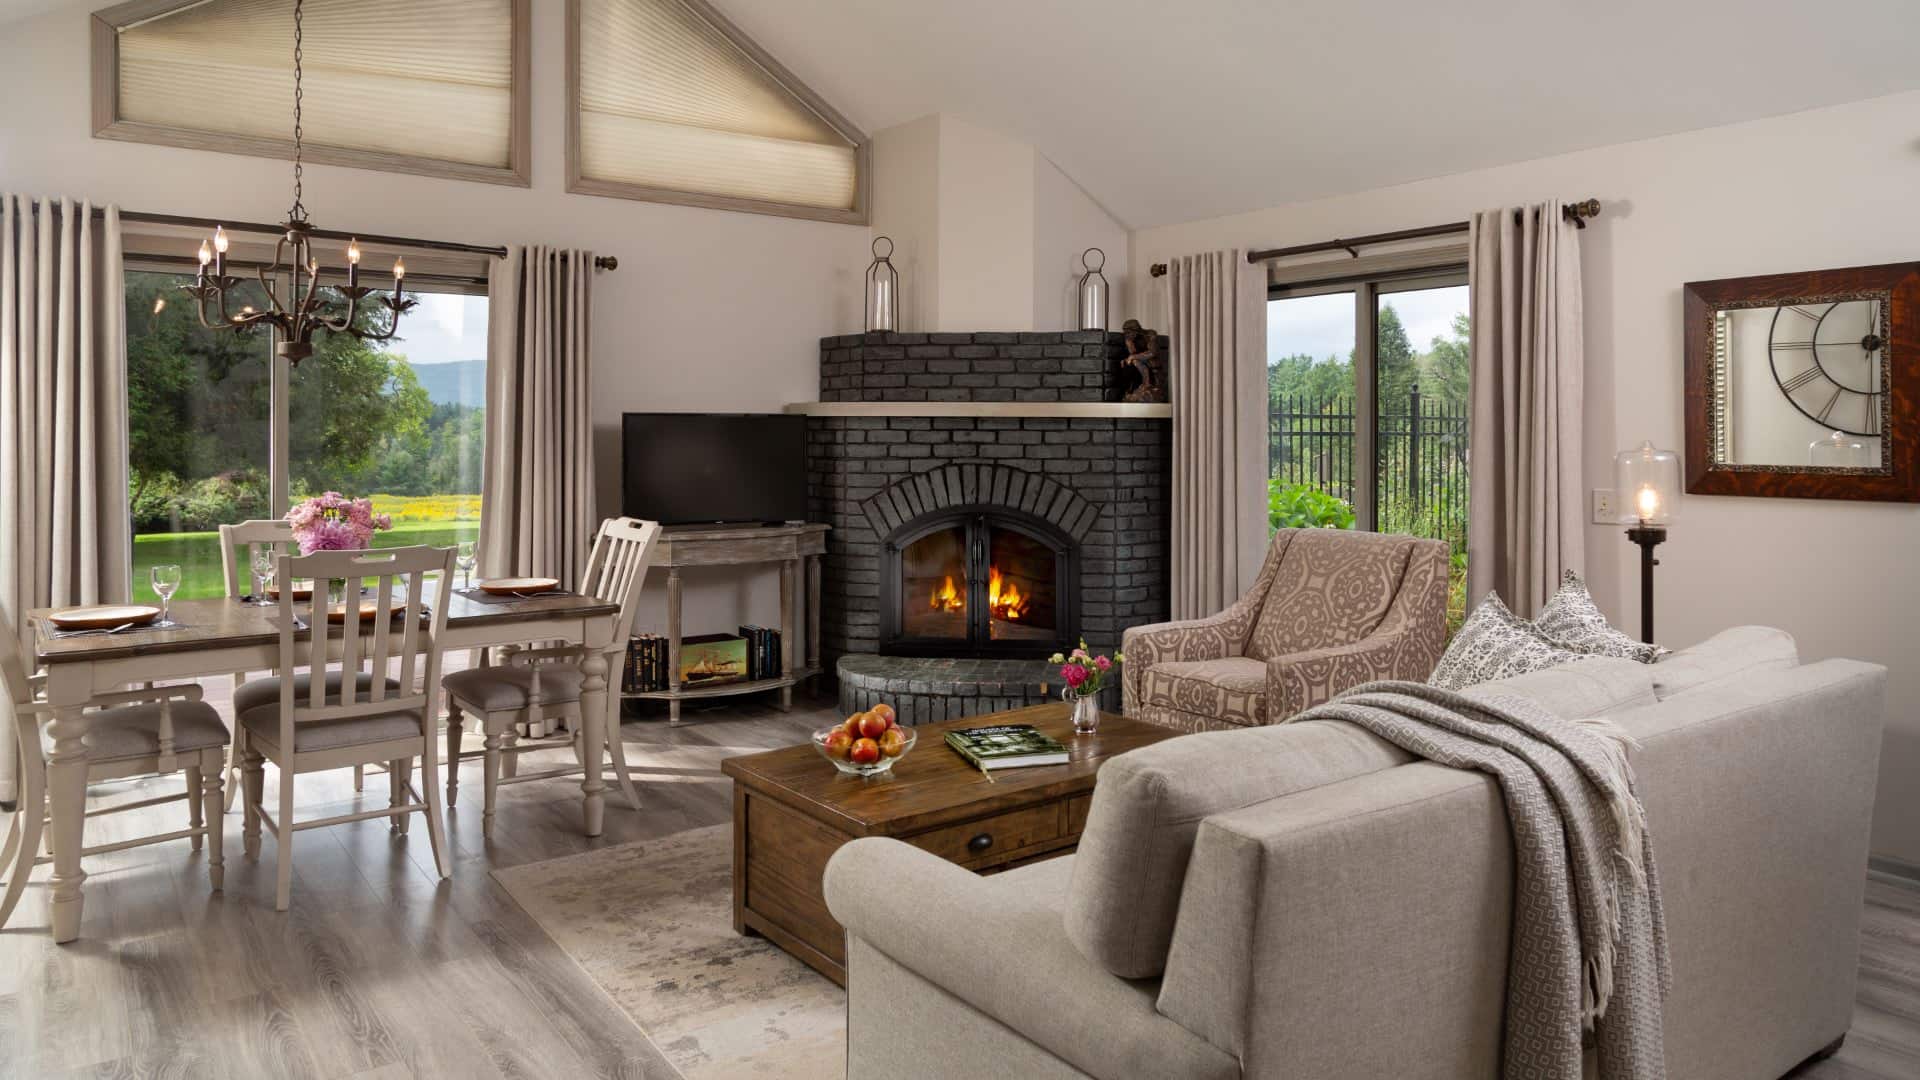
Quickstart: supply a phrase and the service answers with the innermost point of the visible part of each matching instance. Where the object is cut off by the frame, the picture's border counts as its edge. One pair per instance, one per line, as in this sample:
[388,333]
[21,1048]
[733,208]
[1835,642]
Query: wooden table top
[933,785]
[223,623]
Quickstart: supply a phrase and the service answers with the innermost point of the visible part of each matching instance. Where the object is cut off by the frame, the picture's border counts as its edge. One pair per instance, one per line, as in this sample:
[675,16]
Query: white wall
[906,210]
[1066,222]
[986,229]
[710,310]
[1828,188]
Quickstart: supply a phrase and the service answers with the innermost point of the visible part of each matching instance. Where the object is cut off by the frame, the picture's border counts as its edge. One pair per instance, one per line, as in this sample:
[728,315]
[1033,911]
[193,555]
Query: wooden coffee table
[792,810]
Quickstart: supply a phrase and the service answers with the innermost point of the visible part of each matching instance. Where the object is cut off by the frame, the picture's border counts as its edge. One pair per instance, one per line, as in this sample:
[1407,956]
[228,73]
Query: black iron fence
[1422,447]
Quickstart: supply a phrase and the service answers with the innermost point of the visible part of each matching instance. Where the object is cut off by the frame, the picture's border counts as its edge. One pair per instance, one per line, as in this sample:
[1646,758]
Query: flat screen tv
[703,468]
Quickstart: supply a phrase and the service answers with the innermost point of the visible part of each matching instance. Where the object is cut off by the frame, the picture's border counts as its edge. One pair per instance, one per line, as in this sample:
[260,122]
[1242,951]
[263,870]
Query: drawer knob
[980,843]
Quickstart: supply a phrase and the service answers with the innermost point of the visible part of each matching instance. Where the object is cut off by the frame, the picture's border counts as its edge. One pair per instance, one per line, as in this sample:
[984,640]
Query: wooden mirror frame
[1898,286]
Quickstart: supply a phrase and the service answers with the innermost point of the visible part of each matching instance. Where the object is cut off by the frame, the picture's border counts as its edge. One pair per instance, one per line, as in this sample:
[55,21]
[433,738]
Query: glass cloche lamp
[1648,480]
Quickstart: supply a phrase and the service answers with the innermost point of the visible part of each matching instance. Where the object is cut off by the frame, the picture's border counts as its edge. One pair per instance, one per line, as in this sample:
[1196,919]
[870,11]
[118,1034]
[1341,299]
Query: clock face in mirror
[1801,384]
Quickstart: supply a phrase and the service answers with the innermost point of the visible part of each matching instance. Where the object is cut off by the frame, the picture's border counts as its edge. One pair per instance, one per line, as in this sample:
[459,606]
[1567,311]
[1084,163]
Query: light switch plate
[1604,510]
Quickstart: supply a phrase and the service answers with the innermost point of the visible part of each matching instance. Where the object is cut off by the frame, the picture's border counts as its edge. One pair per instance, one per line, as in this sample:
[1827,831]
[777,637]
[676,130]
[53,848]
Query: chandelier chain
[299,211]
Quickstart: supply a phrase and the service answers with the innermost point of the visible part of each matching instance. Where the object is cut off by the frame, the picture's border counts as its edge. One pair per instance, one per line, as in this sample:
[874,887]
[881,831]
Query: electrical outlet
[1605,512]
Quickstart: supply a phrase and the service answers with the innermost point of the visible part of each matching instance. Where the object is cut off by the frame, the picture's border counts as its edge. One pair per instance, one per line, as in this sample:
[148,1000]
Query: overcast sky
[1322,326]
[444,328]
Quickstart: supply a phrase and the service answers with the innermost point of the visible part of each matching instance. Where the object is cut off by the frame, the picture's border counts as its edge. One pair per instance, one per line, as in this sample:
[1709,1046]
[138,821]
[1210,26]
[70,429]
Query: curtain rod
[600,262]
[1577,213]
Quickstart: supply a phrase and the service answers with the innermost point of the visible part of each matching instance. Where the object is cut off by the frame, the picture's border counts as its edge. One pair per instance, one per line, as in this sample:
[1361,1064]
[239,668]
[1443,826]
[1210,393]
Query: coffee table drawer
[987,839]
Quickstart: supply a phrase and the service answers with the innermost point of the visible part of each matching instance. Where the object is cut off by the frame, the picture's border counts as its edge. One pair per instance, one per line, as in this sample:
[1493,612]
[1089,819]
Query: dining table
[206,637]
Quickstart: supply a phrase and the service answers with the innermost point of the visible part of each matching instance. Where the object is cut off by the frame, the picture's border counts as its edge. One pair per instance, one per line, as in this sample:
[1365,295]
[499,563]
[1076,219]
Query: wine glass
[262,573]
[166,579]
[466,558]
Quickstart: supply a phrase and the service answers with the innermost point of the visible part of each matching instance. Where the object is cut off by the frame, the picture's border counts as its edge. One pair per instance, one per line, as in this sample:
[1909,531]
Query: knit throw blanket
[1588,955]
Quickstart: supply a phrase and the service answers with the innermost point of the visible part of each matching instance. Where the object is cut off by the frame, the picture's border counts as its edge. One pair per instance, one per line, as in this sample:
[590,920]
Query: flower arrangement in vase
[1085,675]
[332,522]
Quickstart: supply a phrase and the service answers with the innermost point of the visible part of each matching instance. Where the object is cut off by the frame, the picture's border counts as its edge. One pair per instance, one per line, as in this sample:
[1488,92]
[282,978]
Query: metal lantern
[1093,292]
[883,289]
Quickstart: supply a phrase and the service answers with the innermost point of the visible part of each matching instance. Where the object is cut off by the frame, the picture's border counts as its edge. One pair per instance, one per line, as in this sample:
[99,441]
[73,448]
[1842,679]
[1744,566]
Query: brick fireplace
[938,456]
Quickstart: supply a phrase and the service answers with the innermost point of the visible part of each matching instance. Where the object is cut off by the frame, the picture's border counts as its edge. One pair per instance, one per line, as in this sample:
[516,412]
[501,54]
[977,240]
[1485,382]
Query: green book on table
[1006,746]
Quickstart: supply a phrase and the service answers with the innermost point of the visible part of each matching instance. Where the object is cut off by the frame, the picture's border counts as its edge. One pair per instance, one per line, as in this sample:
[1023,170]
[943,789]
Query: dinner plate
[302,590]
[507,586]
[103,616]
[369,609]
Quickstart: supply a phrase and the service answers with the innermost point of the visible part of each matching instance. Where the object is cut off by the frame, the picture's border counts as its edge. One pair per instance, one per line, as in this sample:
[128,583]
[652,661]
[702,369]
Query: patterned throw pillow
[1573,621]
[1494,643]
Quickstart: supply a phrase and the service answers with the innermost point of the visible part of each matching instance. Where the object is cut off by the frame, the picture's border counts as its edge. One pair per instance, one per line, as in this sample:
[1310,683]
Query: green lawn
[198,554]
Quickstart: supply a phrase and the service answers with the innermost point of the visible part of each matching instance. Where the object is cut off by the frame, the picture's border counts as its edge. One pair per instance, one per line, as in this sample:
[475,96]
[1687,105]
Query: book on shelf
[646,664]
[1006,746]
[763,652]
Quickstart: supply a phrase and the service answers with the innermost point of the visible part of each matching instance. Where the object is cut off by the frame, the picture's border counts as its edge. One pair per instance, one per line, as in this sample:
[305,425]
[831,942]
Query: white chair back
[13,666]
[362,645]
[240,542]
[617,568]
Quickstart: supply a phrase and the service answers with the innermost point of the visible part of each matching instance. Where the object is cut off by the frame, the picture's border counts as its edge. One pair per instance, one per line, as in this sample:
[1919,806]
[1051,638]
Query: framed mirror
[1805,385]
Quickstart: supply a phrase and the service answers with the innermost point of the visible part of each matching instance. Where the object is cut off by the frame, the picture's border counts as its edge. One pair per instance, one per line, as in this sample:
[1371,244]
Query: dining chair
[343,709]
[157,730]
[536,685]
[239,543]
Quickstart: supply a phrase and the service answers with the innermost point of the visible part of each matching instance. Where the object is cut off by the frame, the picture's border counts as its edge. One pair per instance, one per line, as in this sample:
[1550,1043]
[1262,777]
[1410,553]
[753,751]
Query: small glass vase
[1086,710]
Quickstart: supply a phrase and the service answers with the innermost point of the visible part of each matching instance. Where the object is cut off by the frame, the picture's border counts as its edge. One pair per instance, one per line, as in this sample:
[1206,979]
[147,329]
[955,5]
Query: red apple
[838,743]
[865,752]
[885,711]
[893,742]
[853,724]
[873,725]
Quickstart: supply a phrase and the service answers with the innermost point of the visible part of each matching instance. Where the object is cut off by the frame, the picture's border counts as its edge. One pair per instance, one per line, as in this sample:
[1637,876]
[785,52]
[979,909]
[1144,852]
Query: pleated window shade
[428,79]
[670,101]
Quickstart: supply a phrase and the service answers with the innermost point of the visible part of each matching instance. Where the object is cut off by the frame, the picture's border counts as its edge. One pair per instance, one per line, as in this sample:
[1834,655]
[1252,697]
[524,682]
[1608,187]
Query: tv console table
[796,548]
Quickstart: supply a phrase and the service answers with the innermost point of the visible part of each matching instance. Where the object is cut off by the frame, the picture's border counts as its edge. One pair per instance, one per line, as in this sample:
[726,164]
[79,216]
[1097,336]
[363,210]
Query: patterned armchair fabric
[1331,609]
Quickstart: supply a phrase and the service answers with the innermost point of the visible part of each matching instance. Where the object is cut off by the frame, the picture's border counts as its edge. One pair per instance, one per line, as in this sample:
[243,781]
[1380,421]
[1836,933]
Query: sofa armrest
[1215,637]
[1298,682]
[1005,952]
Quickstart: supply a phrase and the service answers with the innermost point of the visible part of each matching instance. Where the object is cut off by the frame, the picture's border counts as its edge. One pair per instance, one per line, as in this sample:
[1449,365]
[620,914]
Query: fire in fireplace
[982,582]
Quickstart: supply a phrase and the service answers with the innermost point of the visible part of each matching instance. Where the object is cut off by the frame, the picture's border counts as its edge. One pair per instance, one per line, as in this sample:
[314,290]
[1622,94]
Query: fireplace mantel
[1068,410]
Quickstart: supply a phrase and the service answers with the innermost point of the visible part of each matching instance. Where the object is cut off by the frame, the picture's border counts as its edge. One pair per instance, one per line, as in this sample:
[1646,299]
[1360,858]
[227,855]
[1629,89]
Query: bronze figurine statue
[1142,375]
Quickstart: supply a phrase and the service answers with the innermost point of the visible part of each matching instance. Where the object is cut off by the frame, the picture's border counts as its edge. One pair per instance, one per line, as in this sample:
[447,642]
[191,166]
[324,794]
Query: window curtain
[1524,451]
[65,534]
[1217,326]
[536,487]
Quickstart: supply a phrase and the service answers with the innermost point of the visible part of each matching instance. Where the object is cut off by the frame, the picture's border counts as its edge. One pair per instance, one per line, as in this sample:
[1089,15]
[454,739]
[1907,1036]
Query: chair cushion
[1333,586]
[1132,860]
[1233,689]
[499,689]
[254,693]
[1737,652]
[263,727]
[134,730]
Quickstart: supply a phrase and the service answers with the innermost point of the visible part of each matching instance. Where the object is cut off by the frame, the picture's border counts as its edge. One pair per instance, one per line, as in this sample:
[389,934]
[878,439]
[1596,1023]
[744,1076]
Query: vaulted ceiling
[1173,110]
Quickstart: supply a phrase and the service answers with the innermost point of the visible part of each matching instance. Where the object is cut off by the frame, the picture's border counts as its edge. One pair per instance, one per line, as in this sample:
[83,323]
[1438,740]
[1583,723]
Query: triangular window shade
[410,87]
[674,104]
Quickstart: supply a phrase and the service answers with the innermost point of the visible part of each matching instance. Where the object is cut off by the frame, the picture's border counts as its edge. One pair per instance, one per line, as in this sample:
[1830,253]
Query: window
[438,87]
[402,422]
[670,102]
[1368,407]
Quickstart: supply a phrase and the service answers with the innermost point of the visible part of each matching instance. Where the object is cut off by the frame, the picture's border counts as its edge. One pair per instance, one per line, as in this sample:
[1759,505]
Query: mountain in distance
[460,382]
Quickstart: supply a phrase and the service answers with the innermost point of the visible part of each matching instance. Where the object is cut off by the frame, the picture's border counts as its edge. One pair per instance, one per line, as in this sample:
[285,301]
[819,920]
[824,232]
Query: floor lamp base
[1648,537]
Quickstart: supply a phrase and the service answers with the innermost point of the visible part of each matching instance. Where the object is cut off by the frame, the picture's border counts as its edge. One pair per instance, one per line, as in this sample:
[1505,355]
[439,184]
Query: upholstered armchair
[1332,609]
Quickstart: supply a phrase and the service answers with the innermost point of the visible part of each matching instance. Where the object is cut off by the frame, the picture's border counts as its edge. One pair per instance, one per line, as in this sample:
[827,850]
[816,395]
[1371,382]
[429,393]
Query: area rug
[652,922]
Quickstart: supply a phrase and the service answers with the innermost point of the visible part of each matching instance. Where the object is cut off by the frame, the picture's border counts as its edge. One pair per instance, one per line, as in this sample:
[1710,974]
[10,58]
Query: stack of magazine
[763,652]
[1006,746]
[646,664]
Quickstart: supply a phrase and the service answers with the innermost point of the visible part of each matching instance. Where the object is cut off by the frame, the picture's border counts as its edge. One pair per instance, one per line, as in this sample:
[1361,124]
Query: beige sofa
[1331,609]
[1306,901]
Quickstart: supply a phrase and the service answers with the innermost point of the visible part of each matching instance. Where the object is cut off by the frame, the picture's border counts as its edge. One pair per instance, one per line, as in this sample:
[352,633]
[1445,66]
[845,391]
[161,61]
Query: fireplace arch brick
[971,485]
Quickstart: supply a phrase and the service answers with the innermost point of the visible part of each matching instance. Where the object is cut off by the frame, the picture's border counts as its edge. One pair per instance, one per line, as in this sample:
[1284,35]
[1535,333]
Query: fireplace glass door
[978,584]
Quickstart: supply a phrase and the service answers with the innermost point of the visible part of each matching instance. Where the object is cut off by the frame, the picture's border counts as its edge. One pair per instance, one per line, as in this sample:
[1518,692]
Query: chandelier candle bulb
[206,256]
[353,263]
[219,251]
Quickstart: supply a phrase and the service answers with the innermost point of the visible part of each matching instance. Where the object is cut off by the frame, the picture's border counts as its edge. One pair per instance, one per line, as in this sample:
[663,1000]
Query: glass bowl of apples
[866,743]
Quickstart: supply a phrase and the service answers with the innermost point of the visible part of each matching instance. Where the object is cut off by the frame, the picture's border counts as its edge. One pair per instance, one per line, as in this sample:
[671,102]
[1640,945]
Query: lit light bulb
[159,304]
[353,252]
[1647,500]
[206,253]
[399,270]
[219,239]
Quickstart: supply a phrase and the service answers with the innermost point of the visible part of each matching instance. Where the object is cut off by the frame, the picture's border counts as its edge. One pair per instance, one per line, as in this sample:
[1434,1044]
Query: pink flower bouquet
[332,522]
[1084,672]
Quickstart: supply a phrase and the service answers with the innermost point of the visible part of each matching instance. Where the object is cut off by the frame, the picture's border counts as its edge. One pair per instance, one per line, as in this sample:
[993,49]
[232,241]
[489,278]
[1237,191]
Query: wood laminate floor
[382,970]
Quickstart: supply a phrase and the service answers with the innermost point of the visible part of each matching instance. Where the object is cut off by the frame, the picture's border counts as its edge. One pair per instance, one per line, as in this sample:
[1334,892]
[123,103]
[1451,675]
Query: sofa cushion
[1732,653]
[1494,643]
[1132,858]
[1333,586]
[1596,686]
[1573,621]
[1233,689]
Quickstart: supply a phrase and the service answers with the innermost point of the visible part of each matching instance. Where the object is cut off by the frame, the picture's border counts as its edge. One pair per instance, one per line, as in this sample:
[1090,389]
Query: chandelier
[305,312]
